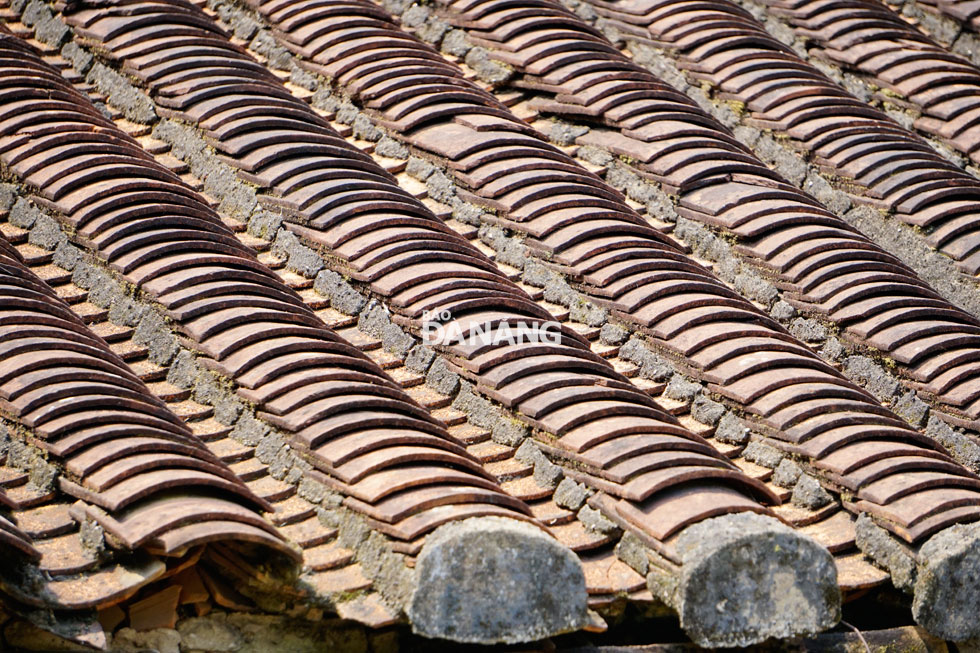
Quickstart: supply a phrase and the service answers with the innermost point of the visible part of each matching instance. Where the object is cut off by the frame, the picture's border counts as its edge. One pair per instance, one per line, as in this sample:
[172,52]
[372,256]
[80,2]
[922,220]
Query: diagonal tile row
[460,140]
[964,11]
[75,580]
[871,38]
[822,265]
[894,169]
[81,426]
[360,433]
[256,331]
[858,298]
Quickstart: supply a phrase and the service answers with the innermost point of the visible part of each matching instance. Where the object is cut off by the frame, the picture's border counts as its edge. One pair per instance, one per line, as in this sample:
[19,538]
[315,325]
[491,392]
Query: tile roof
[230,231]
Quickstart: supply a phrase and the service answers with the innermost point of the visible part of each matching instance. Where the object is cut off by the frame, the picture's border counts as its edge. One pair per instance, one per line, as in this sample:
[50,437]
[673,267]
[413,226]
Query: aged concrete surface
[748,577]
[490,580]
[946,598]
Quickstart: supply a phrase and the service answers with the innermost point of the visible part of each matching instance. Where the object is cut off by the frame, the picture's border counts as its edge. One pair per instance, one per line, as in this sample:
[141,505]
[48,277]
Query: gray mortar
[346,112]
[682,389]
[134,104]
[876,543]
[419,359]
[967,45]
[8,195]
[126,311]
[747,577]
[594,155]
[809,494]
[441,188]
[707,411]
[455,43]
[92,536]
[786,474]
[419,168]
[46,233]
[469,214]
[389,147]
[487,69]
[962,448]
[480,411]
[546,473]
[869,374]
[912,409]
[730,267]
[23,214]
[415,16]
[299,258]
[946,597]
[530,454]
[324,99]
[34,13]
[442,379]
[303,79]
[613,334]
[41,474]
[807,330]
[489,580]
[510,432]
[342,295]
[209,389]
[375,320]
[932,267]
[155,334]
[782,311]
[833,349]
[265,44]
[433,31]
[364,129]
[651,365]
[595,521]
[633,552]
[731,430]
[571,495]
[763,454]
[565,134]
[52,32]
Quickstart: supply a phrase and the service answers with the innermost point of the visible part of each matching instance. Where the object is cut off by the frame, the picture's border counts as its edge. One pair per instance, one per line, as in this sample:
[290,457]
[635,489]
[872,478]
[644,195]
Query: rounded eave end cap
[492,580]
